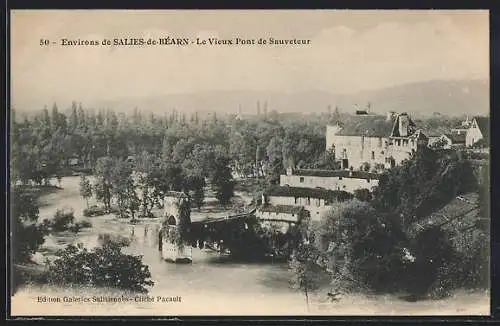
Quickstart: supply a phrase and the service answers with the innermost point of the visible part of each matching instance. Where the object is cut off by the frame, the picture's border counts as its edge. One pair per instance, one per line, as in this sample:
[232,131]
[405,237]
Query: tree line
[44,143]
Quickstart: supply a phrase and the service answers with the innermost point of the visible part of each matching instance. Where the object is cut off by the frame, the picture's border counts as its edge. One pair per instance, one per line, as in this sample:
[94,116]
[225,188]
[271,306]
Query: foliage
[365,167]
[222,181]
[85,188]
[103,180]
[364,244]
[62,220]
[94,211]
[27,234]
[105,266]
[305,268]
[423,184]
[362,194]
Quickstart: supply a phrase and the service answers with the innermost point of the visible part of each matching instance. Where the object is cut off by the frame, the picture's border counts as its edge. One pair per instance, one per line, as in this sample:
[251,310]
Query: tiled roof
[372,125]
[287,209]
[367,125]
[484,125]
[336,173]
[456,138]
[459,212]
[285,191]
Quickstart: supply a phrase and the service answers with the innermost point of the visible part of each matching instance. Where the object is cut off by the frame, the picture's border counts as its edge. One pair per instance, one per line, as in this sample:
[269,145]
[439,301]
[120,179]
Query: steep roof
[459,213]
[456,138]
[372,125]
[336,173]
[286,209]
[484,125]
[367,125]
[285,191]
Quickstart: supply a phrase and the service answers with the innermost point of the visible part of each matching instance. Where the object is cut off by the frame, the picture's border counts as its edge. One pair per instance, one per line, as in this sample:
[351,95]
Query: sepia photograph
[172,163]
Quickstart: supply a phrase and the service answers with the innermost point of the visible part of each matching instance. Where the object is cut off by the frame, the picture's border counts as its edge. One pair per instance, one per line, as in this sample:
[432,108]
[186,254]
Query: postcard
[249,162]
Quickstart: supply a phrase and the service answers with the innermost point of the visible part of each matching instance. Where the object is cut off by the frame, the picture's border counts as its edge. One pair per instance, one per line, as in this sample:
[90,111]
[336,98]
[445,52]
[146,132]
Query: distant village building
[331,180]
[451,140]
[433,137]
[314,200]
[463,127]
[374,140]
[478,131]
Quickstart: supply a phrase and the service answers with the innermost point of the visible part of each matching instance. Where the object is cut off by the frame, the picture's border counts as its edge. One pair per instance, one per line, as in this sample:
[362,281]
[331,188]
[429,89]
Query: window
[301,180]
[308,201]
[340,178]
[373,155]
[368,180]
[296,200]
[318,202]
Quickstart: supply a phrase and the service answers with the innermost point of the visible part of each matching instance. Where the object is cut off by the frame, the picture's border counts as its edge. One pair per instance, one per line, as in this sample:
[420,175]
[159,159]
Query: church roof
[484,125]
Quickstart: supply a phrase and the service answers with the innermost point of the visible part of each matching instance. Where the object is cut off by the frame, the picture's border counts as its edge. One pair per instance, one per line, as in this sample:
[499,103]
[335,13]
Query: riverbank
[208,286]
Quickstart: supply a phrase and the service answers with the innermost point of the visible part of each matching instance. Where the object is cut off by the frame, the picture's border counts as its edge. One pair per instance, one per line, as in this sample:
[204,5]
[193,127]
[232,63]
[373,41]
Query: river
[211,285]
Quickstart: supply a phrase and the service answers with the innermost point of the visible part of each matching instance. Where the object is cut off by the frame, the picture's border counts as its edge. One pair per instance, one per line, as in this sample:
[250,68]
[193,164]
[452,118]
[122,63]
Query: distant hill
[423,98]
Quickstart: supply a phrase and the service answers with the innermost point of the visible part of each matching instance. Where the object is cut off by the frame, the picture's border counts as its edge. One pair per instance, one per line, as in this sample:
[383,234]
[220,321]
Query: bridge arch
[171,220]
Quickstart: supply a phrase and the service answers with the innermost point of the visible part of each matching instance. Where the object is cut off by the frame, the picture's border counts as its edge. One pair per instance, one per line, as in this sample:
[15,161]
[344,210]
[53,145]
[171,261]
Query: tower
[175,228]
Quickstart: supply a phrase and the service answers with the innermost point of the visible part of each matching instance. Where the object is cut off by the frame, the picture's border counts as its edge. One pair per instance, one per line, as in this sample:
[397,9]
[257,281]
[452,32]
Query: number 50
[44,42]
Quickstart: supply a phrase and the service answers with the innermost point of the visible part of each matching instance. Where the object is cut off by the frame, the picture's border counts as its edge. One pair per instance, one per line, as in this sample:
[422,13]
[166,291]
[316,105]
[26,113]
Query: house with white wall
[314,200]
[329,179]
[478,131]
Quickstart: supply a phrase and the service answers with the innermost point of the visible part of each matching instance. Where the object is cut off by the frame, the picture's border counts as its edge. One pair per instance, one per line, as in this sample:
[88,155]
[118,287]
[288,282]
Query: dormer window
[301,179]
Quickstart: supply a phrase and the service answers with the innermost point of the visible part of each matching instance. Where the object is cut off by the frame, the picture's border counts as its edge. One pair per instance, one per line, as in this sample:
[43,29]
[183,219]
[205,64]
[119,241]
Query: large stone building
[375,140]
[328,179]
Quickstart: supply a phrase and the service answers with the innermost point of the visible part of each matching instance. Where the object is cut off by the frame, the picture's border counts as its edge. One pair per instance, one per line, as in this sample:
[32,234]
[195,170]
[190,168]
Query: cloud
[340,58]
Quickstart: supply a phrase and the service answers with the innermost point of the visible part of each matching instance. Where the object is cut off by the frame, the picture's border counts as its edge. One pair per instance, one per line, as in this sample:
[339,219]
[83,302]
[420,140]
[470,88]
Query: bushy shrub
[94,211]
[27,234]
[364,244]
[107,238]
[63,219]
[106,266]
[363,194]
[468,268]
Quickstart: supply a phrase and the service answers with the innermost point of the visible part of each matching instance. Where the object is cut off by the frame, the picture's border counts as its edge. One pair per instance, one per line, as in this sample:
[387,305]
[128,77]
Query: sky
[349,51]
